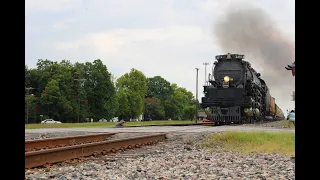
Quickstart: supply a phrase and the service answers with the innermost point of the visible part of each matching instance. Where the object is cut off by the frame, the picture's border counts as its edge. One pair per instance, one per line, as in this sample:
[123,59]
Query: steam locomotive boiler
[236,93]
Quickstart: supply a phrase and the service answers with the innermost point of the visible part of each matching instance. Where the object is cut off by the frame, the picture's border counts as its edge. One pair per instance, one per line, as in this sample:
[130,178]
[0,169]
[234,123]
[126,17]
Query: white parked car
[115,119]
[103,120]
[50,121]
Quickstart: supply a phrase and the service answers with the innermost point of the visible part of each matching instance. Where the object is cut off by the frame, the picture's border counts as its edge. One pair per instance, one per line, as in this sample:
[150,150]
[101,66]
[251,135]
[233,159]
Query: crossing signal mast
[292,68]
[293,96]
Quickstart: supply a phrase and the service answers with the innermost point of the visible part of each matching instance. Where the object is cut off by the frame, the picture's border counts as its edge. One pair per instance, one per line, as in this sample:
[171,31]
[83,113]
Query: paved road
[164,129]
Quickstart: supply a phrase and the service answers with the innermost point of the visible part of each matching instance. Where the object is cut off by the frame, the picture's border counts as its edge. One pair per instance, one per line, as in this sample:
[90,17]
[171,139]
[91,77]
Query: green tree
[124,106]
[27,76]
[153,109]
[171,108]
[134,84]
[100,91]
[174,106]
[50,99]
[189,112]
[159,88]
[64,90]
[30,107]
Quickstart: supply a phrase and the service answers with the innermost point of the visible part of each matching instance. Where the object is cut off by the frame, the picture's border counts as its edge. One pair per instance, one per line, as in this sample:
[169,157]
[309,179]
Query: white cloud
[50,5]
[164,38]
[166,52]
[60,26]
[64,24]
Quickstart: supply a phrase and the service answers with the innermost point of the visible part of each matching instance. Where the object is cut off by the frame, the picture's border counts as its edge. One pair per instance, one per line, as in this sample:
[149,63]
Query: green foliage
[153,109]
[189,112]
[124,107]
[133,86]
[100,90]
[67,90]
[74,92]
[159,88]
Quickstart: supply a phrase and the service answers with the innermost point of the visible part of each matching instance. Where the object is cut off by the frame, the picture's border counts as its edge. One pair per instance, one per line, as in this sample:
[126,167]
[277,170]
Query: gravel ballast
[175,158]
[36,136]
[274,124]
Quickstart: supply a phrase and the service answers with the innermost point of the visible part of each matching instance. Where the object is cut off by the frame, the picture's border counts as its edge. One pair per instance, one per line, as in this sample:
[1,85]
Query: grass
[286,123]
[251,142]
[103,124]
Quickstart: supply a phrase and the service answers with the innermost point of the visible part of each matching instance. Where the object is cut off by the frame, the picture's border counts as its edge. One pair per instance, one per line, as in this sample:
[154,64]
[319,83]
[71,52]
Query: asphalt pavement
[162,129]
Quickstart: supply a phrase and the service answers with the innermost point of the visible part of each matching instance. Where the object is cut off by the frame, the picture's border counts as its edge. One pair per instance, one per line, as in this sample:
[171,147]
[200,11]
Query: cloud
[50,6]
[60,25]
[252,31]
[64,24]
[169,38]
[154,51]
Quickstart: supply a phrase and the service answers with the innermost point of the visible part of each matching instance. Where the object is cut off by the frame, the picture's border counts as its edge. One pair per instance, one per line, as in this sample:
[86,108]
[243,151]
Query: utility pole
[81,83]
[28,89]
[205,72]
[197,96]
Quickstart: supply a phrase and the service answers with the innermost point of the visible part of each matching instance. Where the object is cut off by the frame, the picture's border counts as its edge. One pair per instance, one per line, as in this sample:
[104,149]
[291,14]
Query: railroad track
[33,145]
[70,151]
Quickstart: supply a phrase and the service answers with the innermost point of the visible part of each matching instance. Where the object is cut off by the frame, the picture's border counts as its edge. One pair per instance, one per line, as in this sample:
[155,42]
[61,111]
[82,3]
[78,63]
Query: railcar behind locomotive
[236,93]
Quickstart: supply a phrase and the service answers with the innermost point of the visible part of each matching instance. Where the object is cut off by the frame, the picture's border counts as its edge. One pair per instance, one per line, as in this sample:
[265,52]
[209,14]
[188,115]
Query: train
[236,93]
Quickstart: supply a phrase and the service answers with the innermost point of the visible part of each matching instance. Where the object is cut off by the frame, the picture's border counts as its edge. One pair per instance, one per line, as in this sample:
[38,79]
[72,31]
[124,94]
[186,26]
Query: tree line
[75,92]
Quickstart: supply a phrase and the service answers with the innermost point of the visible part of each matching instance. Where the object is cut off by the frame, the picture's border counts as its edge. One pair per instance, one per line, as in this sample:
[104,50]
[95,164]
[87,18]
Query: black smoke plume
[250,31]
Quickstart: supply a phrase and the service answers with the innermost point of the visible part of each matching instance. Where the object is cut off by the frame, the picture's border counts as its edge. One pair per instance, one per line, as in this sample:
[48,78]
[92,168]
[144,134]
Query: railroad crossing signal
[292,68]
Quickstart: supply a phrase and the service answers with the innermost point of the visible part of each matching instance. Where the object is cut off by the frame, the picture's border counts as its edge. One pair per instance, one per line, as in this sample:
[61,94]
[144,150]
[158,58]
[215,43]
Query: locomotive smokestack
[251,31]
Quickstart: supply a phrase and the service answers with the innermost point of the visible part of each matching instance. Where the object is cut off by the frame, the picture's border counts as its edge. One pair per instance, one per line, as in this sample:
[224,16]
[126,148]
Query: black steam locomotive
[237,94]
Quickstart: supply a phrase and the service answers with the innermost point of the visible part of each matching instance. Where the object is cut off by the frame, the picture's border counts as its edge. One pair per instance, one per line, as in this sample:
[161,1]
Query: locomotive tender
[237,94]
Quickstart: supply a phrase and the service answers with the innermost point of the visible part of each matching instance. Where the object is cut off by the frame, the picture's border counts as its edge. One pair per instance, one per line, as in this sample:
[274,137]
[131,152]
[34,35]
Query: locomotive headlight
[226,79]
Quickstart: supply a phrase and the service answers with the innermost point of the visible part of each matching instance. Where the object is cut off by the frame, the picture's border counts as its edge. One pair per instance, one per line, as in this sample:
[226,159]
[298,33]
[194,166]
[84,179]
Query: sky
[168,38]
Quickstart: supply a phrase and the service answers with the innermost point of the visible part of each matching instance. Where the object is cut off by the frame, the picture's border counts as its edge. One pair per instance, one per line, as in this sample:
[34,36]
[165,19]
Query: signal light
[291,68]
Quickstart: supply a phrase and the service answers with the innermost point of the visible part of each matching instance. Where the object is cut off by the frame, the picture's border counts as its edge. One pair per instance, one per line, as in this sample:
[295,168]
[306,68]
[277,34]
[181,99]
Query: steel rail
[49,156]
[63,141]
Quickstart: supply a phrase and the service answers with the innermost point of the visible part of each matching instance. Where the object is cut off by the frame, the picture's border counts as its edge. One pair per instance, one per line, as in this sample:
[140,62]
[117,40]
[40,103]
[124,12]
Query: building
[202,115]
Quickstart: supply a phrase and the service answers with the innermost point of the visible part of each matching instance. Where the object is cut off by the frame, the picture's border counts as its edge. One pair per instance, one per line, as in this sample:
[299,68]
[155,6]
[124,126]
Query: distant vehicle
[206,120]
[50,121]
[133,120]
[103,120]
[148,118]
[115,119]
